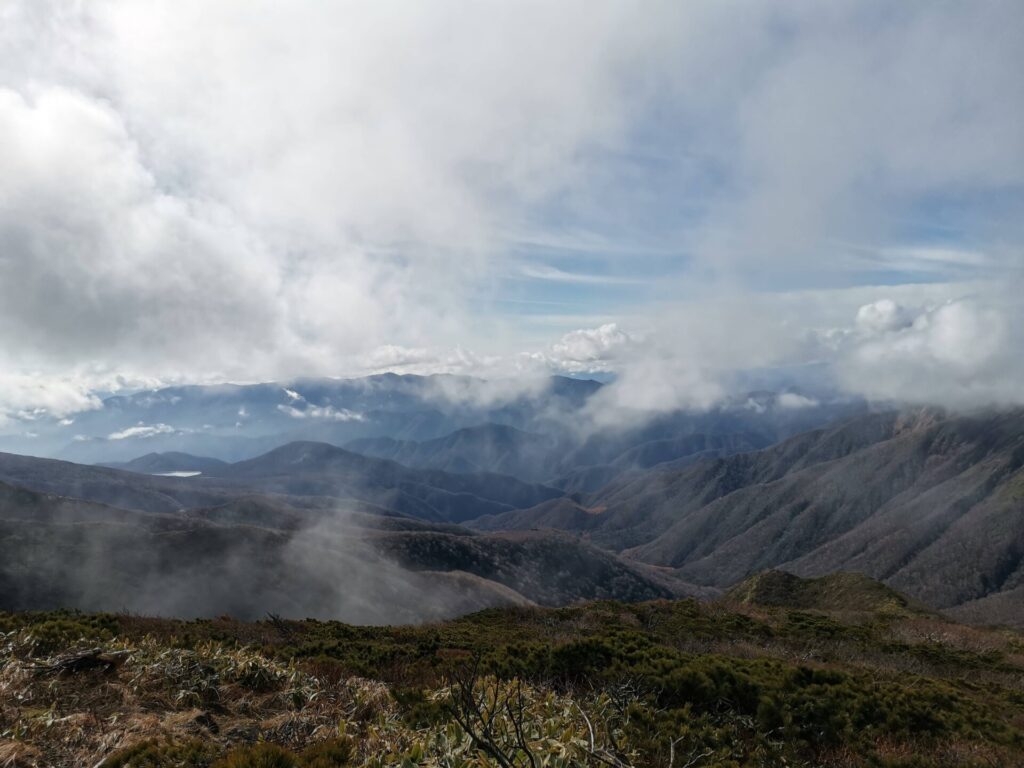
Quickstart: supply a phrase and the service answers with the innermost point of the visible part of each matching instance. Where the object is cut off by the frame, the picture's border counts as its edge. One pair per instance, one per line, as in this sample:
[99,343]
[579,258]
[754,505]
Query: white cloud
[553,274]
[141,431]
[164,222]
[920,344]
[967,352]
[857,117]
[653,383]
[925,257]
[247,191]
[882,315]
[327,413]
[590,349]
[793,401]
[29,396]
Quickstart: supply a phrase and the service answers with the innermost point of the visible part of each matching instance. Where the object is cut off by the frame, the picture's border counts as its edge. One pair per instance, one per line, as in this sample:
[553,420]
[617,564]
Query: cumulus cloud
[881,316]
[161,218]
[590,349]
[954,344]
[967,353]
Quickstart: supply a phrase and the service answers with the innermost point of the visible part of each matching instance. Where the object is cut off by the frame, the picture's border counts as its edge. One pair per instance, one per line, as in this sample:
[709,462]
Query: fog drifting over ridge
[251,192]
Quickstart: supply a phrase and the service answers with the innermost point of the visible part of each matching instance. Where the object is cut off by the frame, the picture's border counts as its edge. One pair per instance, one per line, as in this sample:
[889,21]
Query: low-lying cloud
[142,430]
[967,352]
[326,412]
[326,568]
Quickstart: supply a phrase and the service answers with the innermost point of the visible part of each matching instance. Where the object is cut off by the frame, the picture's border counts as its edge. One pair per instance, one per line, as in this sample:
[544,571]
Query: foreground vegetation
[604,684]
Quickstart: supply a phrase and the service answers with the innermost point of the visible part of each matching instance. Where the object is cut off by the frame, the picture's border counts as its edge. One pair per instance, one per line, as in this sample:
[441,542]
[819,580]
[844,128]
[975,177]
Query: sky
[669,192]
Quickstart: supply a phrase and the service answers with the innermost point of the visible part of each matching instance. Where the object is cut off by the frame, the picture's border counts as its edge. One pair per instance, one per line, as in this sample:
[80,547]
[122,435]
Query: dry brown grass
[226,696]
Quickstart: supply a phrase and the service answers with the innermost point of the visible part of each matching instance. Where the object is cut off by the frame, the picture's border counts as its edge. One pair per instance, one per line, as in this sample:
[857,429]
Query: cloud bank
[248,191]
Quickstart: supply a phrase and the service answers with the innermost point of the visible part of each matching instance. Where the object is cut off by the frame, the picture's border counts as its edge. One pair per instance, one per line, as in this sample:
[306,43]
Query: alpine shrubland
[664,683]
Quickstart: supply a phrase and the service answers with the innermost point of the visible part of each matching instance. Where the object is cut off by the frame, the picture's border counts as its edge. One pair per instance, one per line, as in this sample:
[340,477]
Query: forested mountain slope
[929,502]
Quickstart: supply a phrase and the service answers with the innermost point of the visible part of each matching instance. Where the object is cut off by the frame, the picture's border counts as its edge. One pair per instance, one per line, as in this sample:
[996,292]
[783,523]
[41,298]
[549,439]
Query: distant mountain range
[170,463]
[305,530]
[232,422]
[930,503]
[573,465]
[537,431]
[523,506]
[485,448]
[303,470]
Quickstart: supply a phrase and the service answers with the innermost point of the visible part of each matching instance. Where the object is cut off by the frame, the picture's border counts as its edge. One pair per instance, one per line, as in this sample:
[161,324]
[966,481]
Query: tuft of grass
[332,753]
[151,753]
[258,756]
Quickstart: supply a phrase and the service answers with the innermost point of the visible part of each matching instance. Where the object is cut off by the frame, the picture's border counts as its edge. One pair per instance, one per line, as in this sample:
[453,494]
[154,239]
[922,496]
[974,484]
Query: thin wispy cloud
[553,274]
